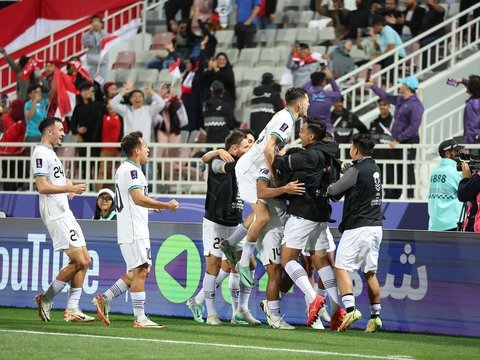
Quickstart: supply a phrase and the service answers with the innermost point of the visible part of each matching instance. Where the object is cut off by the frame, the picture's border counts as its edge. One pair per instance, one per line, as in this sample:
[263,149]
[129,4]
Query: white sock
[274,307]
[55,287]
[322,292]
[117,289]
[73,297]
[138,303]
[375,309]
[330,282]
[348,301]
[237,236]
[244,297]
[200,297]
[299,276]
[247,252]
[234,287]
[209,290]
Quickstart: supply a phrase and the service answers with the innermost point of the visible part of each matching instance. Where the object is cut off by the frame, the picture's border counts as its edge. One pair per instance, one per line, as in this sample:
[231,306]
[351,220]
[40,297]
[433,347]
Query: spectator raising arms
[221,69]
[17,67]
[471,114]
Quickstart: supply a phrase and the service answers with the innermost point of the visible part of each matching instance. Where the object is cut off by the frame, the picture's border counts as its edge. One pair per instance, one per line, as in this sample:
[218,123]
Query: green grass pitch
[24,336]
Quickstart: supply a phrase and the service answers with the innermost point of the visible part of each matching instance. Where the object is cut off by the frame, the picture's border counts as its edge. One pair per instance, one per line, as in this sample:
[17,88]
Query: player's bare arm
[269,153]
[223,154]
[266,192]
[140,199]
[44,187]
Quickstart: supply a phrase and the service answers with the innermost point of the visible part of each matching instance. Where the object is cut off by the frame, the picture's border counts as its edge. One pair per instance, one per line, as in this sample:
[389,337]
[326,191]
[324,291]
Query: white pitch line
[298,351]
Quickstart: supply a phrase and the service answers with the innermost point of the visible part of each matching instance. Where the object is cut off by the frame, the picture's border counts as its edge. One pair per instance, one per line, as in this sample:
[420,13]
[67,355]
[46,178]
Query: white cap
[106,191]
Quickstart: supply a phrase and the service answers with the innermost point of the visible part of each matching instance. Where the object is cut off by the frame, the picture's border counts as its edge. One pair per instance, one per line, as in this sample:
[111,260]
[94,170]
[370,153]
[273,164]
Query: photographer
[443,206]
[469,190]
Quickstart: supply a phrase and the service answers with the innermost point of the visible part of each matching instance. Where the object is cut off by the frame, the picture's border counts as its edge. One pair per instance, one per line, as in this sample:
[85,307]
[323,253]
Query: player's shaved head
[47,122]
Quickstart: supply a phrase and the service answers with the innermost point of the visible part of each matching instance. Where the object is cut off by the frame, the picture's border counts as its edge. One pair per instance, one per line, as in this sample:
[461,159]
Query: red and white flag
[126,32]
[174,69]
[30,67]
[65,93]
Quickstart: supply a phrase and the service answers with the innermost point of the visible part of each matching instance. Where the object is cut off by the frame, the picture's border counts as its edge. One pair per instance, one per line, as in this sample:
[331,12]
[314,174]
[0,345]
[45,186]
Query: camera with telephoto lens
[472,158]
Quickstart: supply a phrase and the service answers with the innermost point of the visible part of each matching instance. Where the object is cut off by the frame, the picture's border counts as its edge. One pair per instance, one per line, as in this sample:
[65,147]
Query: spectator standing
[265,103]
[105,206]
[380,131]
[469,190]
[110,131]
[393,17]
[443,206]
[136,115]
[321,100]
[110,89]
[35,112]
[218,115]
[406,122]
[221,69]
[358,19]
[266,14]
[302,64]
[471,114]
[172,7]
[246,12]
[344,123]
[432,18]
[412,19]
[92,40]
[341,60]
[17,68]
[14,129]
[386,39]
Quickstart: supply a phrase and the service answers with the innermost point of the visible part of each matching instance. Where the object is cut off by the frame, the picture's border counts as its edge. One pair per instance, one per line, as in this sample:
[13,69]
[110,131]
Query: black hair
[98,212]
[364,143]
[303,46]
[84,86]
[33,87]
[183,21]
[382,100]
[318,77]
[47,122]
[129,95]
[235,137]
[317,127]
[378,19]
[247,132]
[130,142]
[96,17]
[473,86]
[226,57]
[294,95]
[23,61]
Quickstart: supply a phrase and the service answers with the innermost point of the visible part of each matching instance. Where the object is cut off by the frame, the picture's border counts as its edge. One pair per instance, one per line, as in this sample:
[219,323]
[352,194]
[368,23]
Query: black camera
[472,158]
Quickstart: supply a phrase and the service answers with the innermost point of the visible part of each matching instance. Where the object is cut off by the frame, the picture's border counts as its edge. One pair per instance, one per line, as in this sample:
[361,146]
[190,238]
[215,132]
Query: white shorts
[303,234]
[213,234]
[269,246]
[331,243]
[65,233]
[136,253]
[247,185]
[358,249]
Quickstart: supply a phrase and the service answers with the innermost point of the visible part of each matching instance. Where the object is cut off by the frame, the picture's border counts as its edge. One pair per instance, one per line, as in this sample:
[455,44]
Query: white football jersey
[46,163]
[276,207]
[132,220]
[281,126]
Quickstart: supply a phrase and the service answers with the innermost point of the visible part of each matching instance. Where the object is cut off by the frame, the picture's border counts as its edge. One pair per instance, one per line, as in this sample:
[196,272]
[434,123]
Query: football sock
[274,307]
[330,282]
[247,252]
[237,236]
[244,296]
[375,310]
[234,287]
[209,290]
[117,289]
[55,287]
[349,302]
[200,297]
[322,292]
[73,297]
[138,303]
[298,274]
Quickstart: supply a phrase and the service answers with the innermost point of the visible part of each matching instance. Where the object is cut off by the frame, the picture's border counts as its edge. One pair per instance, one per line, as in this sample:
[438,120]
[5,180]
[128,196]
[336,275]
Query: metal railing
[443,51]
[185,174]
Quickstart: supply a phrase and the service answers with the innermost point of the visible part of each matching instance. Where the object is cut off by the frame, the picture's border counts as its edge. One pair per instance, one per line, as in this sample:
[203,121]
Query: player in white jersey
[269,243]
[55,190]
[132,203]
[261,155]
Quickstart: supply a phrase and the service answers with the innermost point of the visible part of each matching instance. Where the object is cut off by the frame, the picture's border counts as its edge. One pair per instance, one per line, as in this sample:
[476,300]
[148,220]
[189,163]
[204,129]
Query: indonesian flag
[81,70]
[126,32]
[65,93]
[174,69]
[30,67]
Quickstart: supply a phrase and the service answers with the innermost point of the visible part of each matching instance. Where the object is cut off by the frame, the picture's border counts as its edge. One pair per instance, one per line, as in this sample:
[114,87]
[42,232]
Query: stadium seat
[319,49]
[123,75]
[144,57]
[357,54]
[270,56]
[248,57]
[327,34]
[251,76]
[286,37]
[305,17]
[146,77]
[164,77]
[232,54]
[238,72]
[266,37]
[125,60]
[160,40]
[307,36]
[224,38]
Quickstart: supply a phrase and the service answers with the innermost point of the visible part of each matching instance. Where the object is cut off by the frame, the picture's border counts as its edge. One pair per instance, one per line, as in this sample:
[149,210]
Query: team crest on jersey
[39,163]
[284,127]
[264,171]
[134,174]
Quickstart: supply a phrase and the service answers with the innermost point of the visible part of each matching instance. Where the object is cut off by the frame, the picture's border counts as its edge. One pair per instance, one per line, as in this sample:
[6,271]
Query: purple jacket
[407,117]
[321,101]
[471,121]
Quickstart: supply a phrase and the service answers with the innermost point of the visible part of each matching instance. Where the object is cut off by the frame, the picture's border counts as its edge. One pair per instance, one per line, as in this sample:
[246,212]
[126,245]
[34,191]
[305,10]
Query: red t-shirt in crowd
[111,129]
